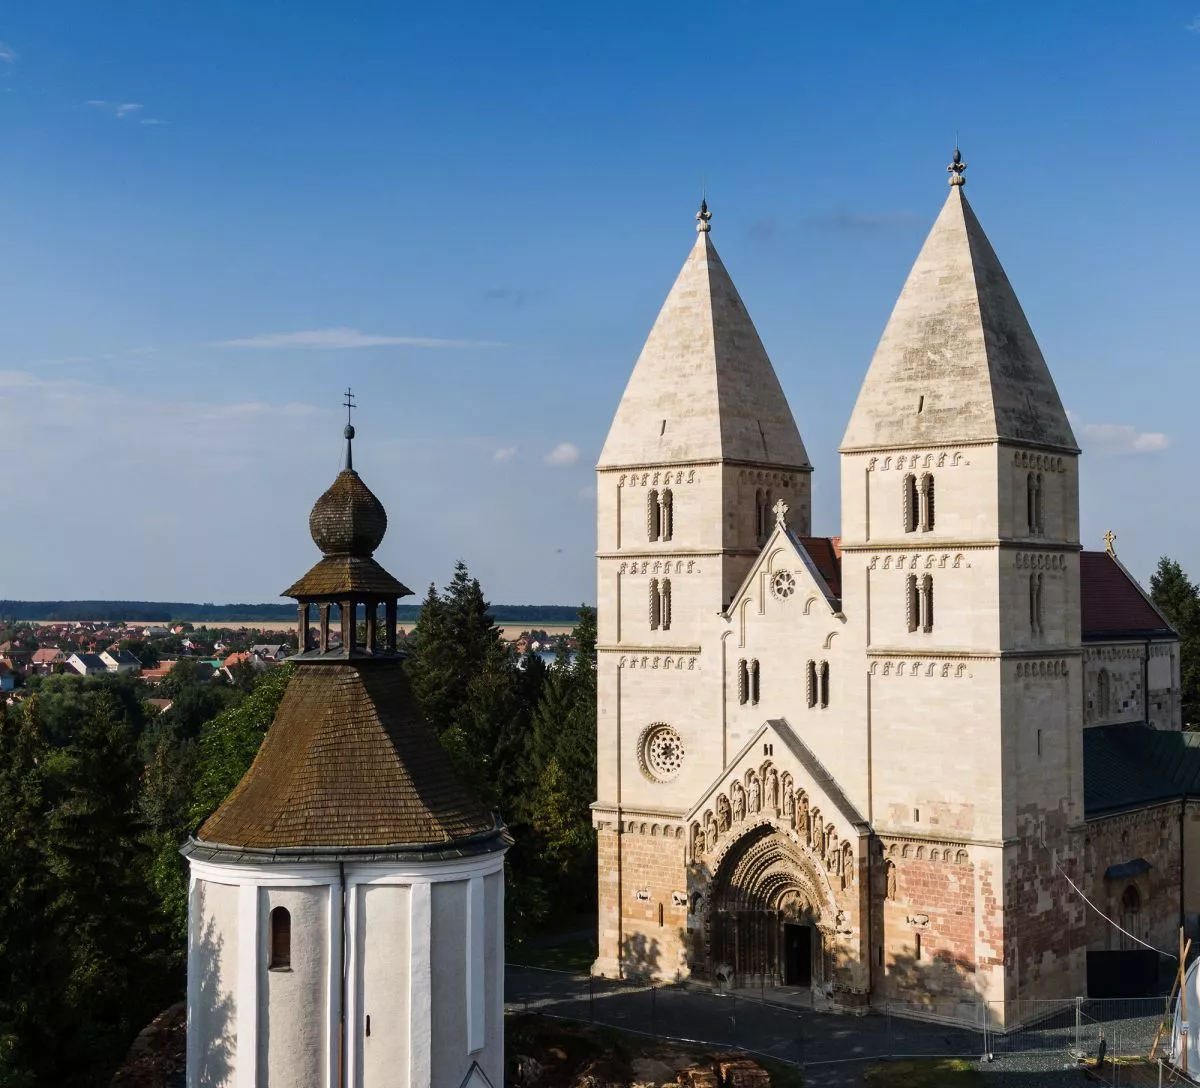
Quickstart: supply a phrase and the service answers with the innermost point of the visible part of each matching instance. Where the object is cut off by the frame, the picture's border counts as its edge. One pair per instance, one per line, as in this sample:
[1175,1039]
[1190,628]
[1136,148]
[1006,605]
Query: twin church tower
[849,762]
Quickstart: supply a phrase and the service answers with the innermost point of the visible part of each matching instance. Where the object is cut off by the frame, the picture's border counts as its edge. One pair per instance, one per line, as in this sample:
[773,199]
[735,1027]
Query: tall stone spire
[703,388]
[958,361]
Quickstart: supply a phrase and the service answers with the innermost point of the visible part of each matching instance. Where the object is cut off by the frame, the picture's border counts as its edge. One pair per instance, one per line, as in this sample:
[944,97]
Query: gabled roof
[825,575]
[958,361]
[827,558]
[703,387]
[1112,604]
[1128,766]
[349,762]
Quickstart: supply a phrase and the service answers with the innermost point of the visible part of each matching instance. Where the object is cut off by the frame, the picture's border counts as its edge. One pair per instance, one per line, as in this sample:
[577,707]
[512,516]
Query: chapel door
[797,954]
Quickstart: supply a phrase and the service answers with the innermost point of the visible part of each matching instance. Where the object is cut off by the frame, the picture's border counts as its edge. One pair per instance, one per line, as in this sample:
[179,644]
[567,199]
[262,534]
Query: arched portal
[768,913]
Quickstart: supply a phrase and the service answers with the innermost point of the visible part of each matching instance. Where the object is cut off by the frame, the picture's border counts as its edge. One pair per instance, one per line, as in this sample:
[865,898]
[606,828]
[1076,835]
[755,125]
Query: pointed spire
[956,169]
[348,433]
[703,217]
[957,361]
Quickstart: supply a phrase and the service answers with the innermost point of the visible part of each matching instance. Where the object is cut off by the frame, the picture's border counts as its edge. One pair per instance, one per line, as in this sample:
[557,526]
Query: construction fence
[1051,1034]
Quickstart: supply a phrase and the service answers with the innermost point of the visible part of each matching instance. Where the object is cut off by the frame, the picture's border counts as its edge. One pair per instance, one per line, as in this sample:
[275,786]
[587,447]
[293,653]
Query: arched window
[1037,604]
[754,681]
[912,603]
[653,516]
[281,939]
[1103,694]
[1039,506]
[927,502]
[668,514]
[927,603]
[1030,506]
[1033,616]
[665,606]
[743,682]
[824,675]
[811,672]
[1131,909]
[760,516]
[911,504]
[655,605]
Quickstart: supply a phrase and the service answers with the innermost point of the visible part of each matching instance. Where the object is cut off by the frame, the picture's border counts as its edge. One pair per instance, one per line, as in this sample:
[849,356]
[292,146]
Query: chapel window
[1039,508]
[655,605]
[1037,603]
[743,682]
[1034,504]
[912,603]
[668,514]
[754,681]
[927,603]
[811,673]
[1104,693]
[911,504]
[653,516]
[824,678]
[665,604]
[280,939]
[927,502]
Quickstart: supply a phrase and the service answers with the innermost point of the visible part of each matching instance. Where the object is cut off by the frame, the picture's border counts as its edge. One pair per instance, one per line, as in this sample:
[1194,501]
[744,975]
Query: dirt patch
[157,1057]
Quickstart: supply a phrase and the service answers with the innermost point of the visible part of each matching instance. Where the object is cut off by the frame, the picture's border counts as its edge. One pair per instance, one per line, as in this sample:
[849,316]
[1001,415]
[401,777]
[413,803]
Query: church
[936,759]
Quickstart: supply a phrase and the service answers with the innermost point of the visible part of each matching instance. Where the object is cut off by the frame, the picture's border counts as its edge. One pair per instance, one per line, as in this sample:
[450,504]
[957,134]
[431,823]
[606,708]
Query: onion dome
[348,519]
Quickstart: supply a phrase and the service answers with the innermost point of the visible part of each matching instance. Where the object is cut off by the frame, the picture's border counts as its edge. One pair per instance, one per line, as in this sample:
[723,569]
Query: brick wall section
[642,877]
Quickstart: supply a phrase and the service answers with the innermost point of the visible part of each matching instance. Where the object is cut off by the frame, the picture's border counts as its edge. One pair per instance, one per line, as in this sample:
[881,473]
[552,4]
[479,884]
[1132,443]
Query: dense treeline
[1178,598]
[157,612]
[97,793]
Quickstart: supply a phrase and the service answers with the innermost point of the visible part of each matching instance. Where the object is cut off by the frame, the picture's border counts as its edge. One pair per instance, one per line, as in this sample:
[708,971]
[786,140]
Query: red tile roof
[827,557]
[1111,601]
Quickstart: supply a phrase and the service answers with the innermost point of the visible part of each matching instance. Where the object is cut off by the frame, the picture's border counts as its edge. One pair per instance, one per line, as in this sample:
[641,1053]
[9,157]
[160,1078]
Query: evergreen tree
[1179,600]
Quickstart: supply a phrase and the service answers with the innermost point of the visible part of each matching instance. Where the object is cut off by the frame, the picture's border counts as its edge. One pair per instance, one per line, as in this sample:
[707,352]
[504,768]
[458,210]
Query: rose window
[783,584]
[661,752]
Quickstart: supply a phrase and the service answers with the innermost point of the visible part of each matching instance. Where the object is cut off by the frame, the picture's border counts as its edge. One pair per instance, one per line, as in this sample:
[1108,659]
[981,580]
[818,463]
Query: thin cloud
[7,53]
[565,453]
[150,121]
[505,453]
[1193,26]
[121,110]
[1117,438]
[342,339]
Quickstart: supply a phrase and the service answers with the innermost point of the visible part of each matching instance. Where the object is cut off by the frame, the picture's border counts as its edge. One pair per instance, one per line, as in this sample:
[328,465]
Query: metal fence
[1050,1034]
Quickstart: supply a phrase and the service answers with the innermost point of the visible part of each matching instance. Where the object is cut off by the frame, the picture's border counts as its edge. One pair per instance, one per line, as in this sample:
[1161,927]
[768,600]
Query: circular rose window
[783,584]
[661,753]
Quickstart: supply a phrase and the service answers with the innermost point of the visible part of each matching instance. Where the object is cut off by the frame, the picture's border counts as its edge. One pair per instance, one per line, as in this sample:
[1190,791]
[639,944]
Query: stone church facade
[858,763]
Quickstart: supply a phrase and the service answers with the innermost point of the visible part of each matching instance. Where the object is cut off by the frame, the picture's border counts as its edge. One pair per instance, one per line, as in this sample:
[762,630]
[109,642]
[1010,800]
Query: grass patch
[574,954]
[924,1073]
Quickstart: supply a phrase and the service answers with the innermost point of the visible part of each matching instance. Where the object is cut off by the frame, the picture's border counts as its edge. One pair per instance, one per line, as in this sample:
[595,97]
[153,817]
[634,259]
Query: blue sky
[471,213]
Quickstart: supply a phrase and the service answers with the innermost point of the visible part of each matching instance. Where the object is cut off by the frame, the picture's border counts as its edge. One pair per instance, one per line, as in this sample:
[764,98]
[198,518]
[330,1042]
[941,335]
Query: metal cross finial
[956,169]
[348,433]
[781,509]
[349,404]
[703,216]
[1109,539]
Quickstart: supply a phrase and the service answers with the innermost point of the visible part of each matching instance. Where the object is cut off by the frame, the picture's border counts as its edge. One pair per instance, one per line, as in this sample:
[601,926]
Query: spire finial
[703,216]
[956,169]
[1110,538]
[348,433]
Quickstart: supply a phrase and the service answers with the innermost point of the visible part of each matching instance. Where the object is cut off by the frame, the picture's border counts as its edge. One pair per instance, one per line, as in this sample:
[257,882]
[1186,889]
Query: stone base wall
[643,903]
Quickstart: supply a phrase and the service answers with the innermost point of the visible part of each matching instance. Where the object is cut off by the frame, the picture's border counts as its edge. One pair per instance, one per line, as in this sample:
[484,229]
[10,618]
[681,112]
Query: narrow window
[655,605]
[812,683]
[824,673]
[1039,509]
[910,504]
[653,516]
[1039,744]
[1037,604]
[743,682]
[912,603]
[281,938]
[927,603]
[1033,619]
[916,815]
[918,946]
[660,914]
[760,520]
[754,681]
[665,605]
[927,502]
[1029,504]
[668,514]
[881,955]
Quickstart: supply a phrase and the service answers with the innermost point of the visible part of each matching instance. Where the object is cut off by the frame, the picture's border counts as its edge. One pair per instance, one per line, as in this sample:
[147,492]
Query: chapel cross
[349,404]
[781,509]
[1109,538]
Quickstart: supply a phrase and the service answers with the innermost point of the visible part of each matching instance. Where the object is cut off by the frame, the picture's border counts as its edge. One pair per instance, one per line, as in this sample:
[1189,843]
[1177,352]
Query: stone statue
[805,823]
[739,802]
[789,804]
[891,880]
[710,831]
[773,790]
[754,794]
[722,813]
[697,840]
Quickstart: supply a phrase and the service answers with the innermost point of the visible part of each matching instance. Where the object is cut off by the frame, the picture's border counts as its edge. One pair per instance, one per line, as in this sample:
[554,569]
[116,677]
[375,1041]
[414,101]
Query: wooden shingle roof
[349,762]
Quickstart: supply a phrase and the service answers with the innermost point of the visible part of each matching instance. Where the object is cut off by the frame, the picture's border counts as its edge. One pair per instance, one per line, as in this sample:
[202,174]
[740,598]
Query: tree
[1179,600]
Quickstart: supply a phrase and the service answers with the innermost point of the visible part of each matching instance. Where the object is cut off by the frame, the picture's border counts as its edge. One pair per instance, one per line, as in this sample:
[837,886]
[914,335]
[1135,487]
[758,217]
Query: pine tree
[1179,600]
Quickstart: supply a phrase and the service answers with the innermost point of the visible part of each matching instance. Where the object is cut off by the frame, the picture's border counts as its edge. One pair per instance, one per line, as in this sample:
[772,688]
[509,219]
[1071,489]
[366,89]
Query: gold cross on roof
[1109,538]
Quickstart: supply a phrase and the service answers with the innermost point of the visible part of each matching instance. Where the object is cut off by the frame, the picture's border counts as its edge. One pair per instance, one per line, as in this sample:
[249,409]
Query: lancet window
[743,682]
[667,502]
[1035,604]
[912,602]
[664,607]
[927,502]
[653,515]
[655,605]
[811,675]
[911,504]
[280,939]
[823,676]
[927,603]
[1035,506]
[754,678]
[763,501]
